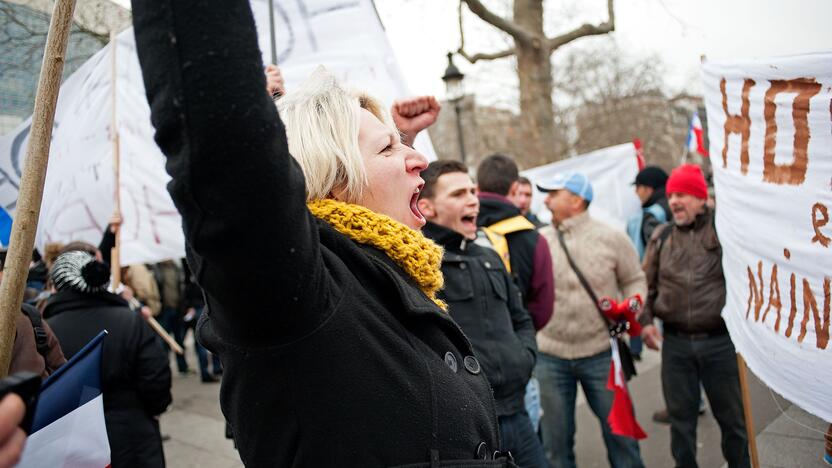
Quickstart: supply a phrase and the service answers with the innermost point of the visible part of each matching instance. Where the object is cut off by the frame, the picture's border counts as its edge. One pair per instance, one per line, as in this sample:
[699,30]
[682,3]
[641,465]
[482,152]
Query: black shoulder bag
[615,329]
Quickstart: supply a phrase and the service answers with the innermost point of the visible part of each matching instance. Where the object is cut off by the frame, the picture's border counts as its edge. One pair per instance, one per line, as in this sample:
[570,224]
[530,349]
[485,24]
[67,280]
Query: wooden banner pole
[157,327]
[25,223]
[115,253]
[746,405]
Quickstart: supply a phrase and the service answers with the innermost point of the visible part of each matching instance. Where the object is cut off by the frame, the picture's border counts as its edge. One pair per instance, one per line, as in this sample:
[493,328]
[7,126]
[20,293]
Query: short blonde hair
[322,121]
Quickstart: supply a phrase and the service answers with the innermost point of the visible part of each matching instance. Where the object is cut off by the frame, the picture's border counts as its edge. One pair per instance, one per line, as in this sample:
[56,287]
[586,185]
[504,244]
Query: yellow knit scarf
[418,256]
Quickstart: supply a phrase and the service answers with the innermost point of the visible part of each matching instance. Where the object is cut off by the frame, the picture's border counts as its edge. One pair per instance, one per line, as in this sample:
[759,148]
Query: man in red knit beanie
[686,289]
[687,178]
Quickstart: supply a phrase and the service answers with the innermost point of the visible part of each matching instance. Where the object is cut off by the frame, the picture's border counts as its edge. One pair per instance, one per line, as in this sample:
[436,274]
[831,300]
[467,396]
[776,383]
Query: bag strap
[41,339]
[496,234]
[582,279]
[513,224]
[500,245]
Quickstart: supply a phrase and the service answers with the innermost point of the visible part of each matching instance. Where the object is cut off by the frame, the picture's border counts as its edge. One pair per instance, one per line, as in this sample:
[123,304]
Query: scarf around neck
[419,257]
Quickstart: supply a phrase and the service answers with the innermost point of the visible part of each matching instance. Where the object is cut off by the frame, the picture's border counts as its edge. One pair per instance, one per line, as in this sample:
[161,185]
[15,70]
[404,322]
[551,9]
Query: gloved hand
[623,312]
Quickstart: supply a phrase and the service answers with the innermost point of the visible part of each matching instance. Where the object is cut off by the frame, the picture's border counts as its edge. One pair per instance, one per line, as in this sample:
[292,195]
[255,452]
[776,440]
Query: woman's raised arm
[251,241]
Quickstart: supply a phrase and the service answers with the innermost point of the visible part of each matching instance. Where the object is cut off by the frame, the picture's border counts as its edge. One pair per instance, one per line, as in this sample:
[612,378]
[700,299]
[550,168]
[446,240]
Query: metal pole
[458,109]
[272,31]
[30,196]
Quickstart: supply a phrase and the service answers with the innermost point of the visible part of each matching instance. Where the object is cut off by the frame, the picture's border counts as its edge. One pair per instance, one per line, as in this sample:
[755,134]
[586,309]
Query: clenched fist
[412,115]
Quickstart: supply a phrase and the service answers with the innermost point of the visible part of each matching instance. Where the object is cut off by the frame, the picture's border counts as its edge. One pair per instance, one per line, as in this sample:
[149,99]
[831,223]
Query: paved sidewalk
[197,429]
[794,439]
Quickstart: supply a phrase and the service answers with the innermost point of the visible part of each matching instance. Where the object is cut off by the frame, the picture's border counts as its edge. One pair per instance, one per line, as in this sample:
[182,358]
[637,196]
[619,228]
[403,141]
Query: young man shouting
[484,301]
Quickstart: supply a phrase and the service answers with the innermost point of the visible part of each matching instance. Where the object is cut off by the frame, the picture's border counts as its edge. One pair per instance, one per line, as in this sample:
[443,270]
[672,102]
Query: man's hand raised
[412,115]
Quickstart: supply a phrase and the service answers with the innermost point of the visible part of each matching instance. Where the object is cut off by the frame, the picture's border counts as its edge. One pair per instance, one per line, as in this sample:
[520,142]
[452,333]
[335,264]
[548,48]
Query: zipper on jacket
[690,283]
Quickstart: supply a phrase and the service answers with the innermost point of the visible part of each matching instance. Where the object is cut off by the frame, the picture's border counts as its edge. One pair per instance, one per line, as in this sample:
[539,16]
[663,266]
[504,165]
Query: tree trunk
[535,74]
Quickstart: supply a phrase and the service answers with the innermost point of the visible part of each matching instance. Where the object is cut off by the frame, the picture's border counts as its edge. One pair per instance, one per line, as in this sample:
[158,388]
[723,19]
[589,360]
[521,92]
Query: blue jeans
[171,321]
[532,402]
[711,363]
[518,437]
[636,345]
[558,390]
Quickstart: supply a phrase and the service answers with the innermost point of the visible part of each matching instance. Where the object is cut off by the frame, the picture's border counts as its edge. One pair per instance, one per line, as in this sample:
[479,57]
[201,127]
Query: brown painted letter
[793,173]
[740,124]
[819,223]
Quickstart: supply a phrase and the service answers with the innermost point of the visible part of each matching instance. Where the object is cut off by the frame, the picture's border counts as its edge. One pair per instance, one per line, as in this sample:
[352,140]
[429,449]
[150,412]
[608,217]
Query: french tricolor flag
[696,136]
[68,428]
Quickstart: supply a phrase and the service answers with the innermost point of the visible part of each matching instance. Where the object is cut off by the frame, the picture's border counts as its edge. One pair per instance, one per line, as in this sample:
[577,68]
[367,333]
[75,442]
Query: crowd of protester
[398,312]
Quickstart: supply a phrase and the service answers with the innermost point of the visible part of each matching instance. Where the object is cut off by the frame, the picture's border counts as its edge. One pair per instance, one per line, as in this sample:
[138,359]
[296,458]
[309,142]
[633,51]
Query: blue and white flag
[68,428]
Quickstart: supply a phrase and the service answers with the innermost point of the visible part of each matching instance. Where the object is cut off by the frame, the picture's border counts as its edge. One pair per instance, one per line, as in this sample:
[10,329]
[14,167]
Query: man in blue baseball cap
[568,194]
[574,347]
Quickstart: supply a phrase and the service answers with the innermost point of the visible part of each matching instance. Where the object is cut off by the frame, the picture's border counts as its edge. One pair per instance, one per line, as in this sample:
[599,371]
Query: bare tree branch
[508,27]
[496,55]
[583,31]
[476,57]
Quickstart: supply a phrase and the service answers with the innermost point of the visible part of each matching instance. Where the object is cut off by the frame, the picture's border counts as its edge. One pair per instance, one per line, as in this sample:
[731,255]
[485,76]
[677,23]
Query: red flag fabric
[622,418]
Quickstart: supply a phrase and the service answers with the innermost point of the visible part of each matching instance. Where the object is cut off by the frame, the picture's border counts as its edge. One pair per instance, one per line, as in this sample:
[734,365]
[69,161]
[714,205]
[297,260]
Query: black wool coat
[487,305]
[135,371]
[331,354]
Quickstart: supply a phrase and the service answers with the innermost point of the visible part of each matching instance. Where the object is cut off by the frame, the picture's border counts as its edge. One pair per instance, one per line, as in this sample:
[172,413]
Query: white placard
[611,171]
[344,35]
[770,129]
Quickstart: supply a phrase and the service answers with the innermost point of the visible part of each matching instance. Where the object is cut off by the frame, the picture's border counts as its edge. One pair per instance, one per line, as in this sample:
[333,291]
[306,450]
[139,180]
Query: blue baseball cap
[575,182]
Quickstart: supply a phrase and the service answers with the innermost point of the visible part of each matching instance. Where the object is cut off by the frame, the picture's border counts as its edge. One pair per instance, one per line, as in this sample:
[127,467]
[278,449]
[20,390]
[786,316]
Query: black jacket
[135,375]
[331,354]
[649,223]
[488,307]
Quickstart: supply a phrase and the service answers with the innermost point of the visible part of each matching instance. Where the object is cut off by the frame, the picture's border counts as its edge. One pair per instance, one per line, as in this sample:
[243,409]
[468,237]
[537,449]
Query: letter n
[755,292]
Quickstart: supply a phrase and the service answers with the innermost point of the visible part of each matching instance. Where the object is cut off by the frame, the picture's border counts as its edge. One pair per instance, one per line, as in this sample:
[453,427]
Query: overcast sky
[678,31]
[421,32]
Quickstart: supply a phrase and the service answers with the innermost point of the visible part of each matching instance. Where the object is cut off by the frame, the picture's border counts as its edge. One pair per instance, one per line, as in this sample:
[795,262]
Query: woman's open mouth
[414,205]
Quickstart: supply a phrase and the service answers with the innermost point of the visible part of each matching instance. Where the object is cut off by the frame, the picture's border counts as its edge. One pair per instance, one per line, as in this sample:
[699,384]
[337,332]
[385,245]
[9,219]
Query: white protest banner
[78,197]
[345,36]
[770,130]
[610,170]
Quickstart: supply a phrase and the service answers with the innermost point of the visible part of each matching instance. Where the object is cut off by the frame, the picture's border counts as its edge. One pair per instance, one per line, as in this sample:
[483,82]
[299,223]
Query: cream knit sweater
[610,264]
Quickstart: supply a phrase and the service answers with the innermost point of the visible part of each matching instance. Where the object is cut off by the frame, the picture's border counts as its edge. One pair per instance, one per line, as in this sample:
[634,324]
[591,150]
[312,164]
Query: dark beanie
[688,178]
[77,270]
[651,176]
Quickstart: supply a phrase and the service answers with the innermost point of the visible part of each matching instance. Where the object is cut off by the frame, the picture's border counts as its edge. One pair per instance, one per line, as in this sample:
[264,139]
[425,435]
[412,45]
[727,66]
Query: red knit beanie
[687,178]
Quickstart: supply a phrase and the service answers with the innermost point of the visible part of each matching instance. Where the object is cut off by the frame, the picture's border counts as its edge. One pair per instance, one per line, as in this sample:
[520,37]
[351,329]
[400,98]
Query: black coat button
[471,364]
[482,451]
[450,360]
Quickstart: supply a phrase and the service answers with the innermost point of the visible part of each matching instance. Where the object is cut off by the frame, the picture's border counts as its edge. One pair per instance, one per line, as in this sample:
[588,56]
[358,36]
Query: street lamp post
[454,92]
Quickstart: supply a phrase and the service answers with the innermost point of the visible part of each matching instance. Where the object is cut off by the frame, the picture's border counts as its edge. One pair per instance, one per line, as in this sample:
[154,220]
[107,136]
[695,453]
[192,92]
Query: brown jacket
[685,283]
[25,356]
[139,278]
